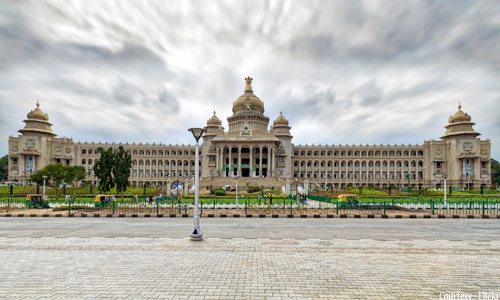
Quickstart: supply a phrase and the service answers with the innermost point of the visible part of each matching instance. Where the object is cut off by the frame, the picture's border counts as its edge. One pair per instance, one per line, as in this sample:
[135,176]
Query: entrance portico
[238,158]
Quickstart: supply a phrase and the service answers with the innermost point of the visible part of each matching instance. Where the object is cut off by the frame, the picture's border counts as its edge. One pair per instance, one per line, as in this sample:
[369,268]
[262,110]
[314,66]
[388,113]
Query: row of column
[220,162]
[169,170]
[344,170]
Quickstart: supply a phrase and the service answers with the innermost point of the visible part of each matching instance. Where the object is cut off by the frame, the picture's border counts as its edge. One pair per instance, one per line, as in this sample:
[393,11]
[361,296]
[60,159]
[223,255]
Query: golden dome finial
[281,112]
[459,106]
[214,112]
[248,81]
[37,103]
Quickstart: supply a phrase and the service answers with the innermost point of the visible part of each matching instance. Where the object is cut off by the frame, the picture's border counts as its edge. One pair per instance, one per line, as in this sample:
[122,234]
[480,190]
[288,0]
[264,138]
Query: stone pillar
[229,171]
[306,187]
[222,162]
[217,158]
[273,162]
[476,172]
[21,168]
[287,187]
[169,187]
[251,162]
[305,165]
[239,161]
[260,161]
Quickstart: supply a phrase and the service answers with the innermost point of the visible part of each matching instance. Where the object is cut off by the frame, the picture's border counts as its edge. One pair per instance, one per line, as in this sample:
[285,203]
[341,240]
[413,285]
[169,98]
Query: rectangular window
[29,164]
[281,159]
[468,168]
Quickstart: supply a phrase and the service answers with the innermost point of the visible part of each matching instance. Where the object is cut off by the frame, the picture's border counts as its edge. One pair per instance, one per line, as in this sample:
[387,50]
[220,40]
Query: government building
[262,155]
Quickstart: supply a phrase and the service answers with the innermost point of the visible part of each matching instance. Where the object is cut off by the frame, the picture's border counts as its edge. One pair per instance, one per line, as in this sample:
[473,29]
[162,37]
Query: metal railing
[317,205]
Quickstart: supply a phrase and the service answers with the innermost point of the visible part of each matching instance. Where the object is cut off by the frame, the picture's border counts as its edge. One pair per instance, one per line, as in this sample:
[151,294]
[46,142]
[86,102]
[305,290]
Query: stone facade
[260,156]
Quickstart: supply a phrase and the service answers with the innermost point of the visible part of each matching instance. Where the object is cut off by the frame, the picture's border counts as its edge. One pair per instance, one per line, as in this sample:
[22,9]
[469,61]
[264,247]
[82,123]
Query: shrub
[253,189]
[192,196]
[64,207]
[219,192]
[349,185]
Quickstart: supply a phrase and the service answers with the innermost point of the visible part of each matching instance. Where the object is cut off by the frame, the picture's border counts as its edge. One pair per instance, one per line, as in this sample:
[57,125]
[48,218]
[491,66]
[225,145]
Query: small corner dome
[459,116]
[214,120]
[280,120]
[37,114]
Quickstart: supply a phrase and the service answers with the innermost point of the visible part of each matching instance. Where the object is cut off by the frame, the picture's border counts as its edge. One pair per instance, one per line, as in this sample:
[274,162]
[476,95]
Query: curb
[249,216]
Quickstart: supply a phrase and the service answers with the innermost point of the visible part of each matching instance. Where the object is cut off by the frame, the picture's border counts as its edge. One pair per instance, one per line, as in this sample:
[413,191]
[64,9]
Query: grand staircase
[266,182]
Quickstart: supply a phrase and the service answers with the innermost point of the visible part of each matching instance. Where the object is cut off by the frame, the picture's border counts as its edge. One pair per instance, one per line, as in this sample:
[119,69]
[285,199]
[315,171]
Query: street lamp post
[445,203]
[28,178]
[236,190]
[196,234]
[44,177]
[409,176]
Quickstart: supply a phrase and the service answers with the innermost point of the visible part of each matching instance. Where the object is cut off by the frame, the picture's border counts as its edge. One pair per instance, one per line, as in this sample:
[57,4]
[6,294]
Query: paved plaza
[100,258]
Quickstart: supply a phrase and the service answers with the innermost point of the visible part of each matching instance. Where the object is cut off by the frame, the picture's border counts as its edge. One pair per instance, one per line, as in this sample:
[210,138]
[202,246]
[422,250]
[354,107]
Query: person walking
[271,199]
[259,198]
[265,199]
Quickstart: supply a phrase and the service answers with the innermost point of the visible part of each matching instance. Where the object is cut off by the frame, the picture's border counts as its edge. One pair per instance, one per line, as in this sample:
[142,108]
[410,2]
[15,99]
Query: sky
[342,72]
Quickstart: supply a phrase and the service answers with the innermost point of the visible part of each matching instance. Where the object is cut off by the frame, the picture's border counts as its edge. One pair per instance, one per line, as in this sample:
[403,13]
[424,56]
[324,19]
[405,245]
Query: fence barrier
[313,205]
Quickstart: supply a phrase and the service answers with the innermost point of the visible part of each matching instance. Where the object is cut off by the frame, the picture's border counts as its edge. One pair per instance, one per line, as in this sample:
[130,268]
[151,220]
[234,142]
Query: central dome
[248,102]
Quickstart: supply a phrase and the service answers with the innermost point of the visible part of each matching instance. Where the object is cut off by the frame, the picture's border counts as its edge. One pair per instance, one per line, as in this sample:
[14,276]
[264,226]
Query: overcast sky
[343,72]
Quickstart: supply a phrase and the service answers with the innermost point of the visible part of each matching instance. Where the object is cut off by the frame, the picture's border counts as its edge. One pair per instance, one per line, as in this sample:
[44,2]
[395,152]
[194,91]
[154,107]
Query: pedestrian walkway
[247,259]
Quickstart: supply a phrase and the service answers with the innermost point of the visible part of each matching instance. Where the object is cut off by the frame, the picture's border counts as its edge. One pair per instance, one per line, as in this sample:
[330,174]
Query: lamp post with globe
[196,234]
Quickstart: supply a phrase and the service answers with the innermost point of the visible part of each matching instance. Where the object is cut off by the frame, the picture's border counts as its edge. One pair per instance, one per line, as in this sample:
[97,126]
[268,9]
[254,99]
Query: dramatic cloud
[342,72]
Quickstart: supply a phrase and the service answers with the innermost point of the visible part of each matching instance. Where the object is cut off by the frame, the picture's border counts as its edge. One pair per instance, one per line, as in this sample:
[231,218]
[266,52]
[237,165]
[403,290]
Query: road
[129,258]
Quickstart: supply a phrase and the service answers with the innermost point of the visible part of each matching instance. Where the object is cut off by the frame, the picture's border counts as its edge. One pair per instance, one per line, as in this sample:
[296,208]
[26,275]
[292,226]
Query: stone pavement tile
[144,268]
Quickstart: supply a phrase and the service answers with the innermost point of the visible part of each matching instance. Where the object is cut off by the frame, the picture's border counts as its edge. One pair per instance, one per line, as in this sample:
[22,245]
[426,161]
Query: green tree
[54,173]
[103,169]
[74,173]
[57,174]
[495,171]
[80,173]
[122,163]
[4,164]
